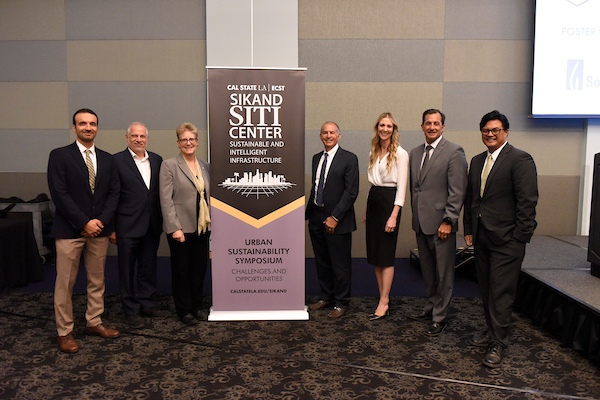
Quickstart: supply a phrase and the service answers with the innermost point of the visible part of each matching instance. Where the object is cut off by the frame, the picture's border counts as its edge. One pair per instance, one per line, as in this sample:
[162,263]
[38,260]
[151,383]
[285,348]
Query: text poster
[256,128]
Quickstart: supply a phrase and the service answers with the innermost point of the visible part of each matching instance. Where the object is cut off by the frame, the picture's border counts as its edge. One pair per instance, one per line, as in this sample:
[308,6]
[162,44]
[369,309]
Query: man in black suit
[331,219]
[499,220]
[84,186]
[138,224]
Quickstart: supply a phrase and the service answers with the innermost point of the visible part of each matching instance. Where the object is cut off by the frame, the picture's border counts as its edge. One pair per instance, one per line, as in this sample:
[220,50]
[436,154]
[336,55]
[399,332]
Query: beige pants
[68,254]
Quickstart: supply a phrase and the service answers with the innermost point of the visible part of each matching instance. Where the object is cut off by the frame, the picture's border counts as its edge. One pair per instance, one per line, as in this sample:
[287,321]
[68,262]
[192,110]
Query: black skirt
[381,246]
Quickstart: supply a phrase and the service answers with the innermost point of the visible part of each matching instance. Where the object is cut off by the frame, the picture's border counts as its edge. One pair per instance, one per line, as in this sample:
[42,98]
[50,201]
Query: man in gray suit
[438,184]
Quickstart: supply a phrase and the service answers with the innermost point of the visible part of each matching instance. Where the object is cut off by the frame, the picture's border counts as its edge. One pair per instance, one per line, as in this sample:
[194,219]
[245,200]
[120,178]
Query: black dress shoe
[135,321]
[436,328]
[480,341]
[423,315]
[375,317]
[319,305]
[188,319]
[200,315]
[494,356]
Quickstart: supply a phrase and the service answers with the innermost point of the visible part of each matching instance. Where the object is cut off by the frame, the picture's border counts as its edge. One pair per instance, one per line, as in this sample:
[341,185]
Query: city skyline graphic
[259,184]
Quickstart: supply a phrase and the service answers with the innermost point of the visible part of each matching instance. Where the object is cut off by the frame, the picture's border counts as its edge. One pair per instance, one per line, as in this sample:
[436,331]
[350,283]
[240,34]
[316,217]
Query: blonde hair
[186,126]
[376,145]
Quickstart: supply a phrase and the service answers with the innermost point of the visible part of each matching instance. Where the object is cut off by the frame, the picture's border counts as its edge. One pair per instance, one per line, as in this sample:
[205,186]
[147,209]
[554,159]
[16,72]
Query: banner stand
[256,132]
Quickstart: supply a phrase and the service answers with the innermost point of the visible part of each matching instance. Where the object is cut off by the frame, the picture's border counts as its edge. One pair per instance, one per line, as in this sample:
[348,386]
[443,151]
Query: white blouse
[396,177]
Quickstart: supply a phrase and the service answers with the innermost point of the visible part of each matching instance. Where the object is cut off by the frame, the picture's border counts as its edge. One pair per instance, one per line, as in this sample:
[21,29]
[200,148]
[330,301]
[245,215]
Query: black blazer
[507,208]
[139,207]
[341,190]
[72,196]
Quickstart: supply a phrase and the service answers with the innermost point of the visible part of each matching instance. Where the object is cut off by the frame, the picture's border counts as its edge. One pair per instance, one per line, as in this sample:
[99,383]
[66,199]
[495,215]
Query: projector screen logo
[574,74]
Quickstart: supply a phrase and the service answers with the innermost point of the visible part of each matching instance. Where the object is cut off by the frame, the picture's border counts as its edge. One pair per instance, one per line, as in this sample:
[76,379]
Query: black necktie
[427,150]
[321,182]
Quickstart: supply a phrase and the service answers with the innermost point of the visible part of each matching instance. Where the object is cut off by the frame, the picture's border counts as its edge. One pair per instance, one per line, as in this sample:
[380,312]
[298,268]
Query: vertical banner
[256,128]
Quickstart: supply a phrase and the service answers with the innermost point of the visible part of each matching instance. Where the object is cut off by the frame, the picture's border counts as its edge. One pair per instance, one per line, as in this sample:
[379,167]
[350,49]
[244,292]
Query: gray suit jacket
[442,189]
[178,194]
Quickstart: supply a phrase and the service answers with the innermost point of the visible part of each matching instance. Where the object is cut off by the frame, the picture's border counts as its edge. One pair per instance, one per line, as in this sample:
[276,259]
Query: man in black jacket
[331,220]
[138,222]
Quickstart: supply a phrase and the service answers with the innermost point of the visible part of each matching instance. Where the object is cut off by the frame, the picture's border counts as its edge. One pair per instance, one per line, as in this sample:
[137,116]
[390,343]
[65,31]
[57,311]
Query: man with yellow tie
[84,185]
[499,220]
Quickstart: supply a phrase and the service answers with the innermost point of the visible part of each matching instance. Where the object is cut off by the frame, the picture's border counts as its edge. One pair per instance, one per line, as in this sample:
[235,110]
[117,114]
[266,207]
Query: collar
[82,148]
[435,143]
[135,156]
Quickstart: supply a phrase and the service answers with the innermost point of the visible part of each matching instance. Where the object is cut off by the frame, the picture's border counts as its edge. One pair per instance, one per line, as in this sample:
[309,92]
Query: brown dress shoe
[102,330]
[67,343]
[337,312]
[319,305]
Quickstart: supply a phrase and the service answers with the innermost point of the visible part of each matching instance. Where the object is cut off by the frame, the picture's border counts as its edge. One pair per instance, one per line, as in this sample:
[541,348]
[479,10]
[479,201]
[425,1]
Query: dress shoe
[155,313]
[102,330]
[67,343]
[200,315]
[495,354]
[135,321]
[375,317]
[423,315]
[479,341]
[337,312]
[188,319]
[436,328]
[319,305]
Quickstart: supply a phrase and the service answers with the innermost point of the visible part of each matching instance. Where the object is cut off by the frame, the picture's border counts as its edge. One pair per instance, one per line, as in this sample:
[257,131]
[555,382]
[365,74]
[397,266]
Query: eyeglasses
[495,131]
[186,141]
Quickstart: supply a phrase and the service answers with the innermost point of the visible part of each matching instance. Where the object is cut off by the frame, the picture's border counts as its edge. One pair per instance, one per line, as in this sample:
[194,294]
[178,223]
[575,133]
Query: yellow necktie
[486,172]
[91,172]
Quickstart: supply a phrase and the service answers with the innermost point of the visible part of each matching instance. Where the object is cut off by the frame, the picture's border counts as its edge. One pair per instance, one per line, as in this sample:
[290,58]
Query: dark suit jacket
[440,193]
[72,196]
[340,192]
[139,207]
[507,208]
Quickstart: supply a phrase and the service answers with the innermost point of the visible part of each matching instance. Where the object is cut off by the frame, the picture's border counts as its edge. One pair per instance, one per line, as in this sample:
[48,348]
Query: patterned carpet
[349,358]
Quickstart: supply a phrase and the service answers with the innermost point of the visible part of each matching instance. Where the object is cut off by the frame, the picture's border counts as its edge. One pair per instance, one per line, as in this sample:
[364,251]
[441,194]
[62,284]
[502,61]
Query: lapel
[436,152]
[182,164]
[154,171]
[134,169]
[78,159]
[497,165]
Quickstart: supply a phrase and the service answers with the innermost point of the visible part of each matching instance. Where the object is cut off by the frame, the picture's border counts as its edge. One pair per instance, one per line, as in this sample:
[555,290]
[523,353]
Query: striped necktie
[486,172]
[91,172]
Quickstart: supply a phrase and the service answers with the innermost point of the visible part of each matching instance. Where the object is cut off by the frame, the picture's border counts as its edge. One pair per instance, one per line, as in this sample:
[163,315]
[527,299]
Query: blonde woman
[388,175]
[184,194]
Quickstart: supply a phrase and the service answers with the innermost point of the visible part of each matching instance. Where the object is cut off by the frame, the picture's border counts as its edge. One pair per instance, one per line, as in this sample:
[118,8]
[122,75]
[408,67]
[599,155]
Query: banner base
[259,315]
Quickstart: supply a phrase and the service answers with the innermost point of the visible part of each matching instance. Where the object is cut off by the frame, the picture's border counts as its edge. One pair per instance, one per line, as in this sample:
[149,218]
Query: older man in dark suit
[331,220]
[84,185]
[138,226]
[438,184]
[499,220]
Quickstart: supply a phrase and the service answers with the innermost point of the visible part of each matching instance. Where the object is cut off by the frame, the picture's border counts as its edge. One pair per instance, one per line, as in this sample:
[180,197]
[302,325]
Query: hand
[179,236]
[93,228]
[390,225]
[365,218]
[469,240]
[330,224]
[444,230]
[113,237]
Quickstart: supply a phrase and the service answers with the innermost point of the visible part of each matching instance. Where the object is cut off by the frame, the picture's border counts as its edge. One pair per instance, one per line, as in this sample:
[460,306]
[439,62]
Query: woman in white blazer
[184,193]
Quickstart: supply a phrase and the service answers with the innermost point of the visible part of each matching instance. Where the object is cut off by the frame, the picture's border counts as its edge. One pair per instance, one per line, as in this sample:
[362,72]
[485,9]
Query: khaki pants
[68,254]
